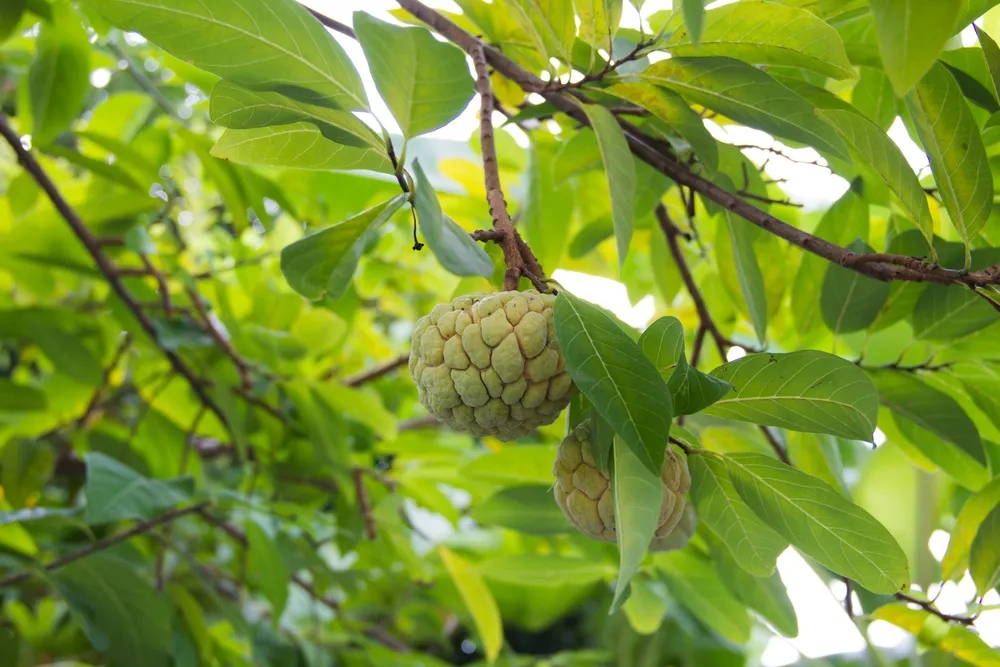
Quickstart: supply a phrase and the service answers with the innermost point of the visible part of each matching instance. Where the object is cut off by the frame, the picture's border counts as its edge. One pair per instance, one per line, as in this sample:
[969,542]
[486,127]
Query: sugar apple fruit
[489,364]
[584,494]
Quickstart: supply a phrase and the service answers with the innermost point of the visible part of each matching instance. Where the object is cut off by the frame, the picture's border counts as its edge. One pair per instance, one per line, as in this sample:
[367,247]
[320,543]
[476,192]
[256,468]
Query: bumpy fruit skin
[489,364]
[584,494]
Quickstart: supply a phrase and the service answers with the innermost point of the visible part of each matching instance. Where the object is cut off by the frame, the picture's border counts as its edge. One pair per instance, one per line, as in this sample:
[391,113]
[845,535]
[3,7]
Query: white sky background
[824,628]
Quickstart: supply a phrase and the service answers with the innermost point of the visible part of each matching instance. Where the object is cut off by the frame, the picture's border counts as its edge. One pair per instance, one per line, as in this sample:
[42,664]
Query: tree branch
[110,541]
[365,506]
[929,607]
[373,373]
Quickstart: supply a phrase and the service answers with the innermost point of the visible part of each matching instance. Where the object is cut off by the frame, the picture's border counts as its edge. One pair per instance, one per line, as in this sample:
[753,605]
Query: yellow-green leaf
[478,601]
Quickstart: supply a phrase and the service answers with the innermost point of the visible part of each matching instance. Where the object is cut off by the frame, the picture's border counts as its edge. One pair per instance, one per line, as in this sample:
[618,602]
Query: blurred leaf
[436,85]
[265,565]
[850,301]
[551,24]
[992,54]
[957,640]
[694,19]
[293,53]
[10,17]
[25,467]
[911,35]
[363,406]
[310,263]
[478,601]
[694,583]
[984,556]
[115,491]
[612,371]
[58,79]
[644,608]
[807,391]
[758,33]
[120,612]
[526,509]
[747,95]
[598,21]
[873,96]
[452,246]
[20,397]
[754,544]
[951,459]
[765,595]
[638,494]
[620,170]
[548,570]
[548,209]
[513,465]
[973,513]
[748,272]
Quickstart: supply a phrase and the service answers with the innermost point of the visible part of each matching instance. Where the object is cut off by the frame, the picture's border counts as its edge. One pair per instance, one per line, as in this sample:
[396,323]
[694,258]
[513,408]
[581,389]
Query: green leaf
[257,44]
[694,583]
[850,301]
[599,22]
[910,398]
[478,601]
[526,509]
[452,246]
[424,82]
[549,570]
[691,390]
[310,263]
[958,159]
[644,608]
[981,382]
[903,295]
[523,464]
[620,169]
[241,109]
[765,595]
[764,33]
[694,19]
[21,397]
[10,17]
[115,491]
[754,545]
[37,514]
[552,23]
[363,406]
[669,107]
[301,145]
[59,76]
[973,513]
[957,641]
[945,313]
[25,467]
[984,557]
[748,271]
[120,613]
[884,156]
[612,371]
[638,494]
[265,565]
[965,469]
[992,54]
[602,438]
[820,522]
[873,96]
[747,95]
[548,209]
[808,391]
[911,35]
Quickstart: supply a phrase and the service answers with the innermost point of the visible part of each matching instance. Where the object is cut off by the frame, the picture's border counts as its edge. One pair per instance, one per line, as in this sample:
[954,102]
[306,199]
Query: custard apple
[489,364]
[584,494]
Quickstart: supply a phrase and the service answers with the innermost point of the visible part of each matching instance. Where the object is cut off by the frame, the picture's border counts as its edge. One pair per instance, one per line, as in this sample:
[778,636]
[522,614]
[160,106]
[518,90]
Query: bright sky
[824,628]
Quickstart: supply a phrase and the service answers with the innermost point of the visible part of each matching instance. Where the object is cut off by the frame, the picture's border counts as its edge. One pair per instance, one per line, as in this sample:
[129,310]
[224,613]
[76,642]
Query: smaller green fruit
[583,492]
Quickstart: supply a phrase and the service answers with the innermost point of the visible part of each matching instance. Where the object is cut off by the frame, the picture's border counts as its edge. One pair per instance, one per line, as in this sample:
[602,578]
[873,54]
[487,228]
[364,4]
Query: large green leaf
[984,556]
[911,35]
[962,467]
[912,399]
[242,109]
[765,595]
[620,169]
[10,17]
[669,107]
[452,246]
[265,565]
[693,12]
[747,95]
[479,602]
[903,295]
[549,570]
[599,21]
[958,159]
[258,44]
[58,79]
[551,23]
[115,491]
[310,263]
[694,583]
[956,641]
[807,391]
[638,494]
[424,82]
[764,33]
[548,208]
[510,466]
[612,371]
[992,54]
[981,381]
[25,467]
[120,612]
[21,397]
[873,96]
[820,522]
[527,509]
[945,312]
[754,545]
[850,301]
[748,272]
[302,145]
[973,513]
[644,608]
[884,156]
[691,390]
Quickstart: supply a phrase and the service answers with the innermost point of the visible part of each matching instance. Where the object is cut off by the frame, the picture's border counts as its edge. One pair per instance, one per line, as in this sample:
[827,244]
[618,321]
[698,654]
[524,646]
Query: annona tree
[283,386]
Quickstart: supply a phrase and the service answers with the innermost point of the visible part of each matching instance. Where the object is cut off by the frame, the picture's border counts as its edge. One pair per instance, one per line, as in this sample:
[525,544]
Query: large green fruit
[584,493]
[489,364]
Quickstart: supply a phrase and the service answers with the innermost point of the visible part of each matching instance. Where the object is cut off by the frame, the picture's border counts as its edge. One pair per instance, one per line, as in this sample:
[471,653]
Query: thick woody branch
[106,543]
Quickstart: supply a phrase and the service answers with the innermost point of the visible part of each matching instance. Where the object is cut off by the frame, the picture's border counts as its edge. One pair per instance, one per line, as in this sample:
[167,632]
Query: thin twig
[333,24]
[220,339]
[609,67]
[95,398]
[161,280]
[372,373]
[145,83]
[110,541]
[930,608]
[363,504]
